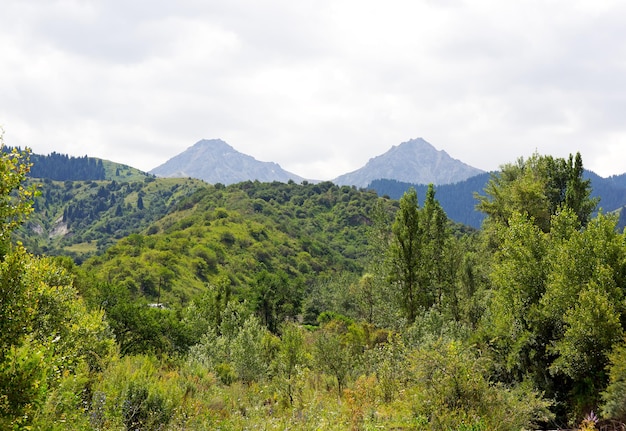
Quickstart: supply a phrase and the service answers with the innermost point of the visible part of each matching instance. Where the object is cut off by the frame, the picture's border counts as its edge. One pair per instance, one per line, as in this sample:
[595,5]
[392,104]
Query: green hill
[122,173]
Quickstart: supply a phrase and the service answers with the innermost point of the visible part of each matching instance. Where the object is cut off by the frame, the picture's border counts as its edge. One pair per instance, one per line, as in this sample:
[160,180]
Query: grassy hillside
[121,173]
[243,232]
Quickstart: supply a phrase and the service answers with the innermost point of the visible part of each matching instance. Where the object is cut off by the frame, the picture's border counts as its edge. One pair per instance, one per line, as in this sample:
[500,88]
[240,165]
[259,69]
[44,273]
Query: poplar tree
[420,264]
[406,255]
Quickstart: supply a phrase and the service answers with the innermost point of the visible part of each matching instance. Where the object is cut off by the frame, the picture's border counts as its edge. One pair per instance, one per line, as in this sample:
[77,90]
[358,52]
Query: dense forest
[314,306]
[457,199]
[62,167]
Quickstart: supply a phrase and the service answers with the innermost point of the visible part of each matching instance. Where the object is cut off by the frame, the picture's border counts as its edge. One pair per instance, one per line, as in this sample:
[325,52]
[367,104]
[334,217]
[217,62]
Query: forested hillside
[63,167]
[456,199]
[245,233]
[80,218]
[313,306]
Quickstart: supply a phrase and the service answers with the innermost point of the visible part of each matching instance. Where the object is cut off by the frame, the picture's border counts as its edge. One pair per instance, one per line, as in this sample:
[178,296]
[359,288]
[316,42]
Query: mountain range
[415,161]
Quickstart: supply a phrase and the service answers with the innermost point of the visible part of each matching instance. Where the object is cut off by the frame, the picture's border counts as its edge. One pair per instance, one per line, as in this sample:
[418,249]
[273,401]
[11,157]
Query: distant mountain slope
[612,194]
[618,180]
[214,161]
[415,161]
[458,200]
[63,167]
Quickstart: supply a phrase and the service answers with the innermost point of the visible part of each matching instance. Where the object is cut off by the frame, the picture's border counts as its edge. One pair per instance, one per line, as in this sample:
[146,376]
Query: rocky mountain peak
[214,146]
[415,161]
[214,161]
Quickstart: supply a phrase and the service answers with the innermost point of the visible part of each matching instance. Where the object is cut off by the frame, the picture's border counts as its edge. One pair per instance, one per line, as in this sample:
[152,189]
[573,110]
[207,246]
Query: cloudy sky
[318,86]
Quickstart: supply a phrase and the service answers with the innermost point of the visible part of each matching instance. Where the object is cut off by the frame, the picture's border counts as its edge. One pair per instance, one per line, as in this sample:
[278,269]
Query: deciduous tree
[406,256]
[538,187]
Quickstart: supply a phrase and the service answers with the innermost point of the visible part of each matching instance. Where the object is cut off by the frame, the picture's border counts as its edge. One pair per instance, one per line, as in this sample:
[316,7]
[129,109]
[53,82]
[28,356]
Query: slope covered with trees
[244,232]
[62,167]
[80,218]
[312,306]
[458,200]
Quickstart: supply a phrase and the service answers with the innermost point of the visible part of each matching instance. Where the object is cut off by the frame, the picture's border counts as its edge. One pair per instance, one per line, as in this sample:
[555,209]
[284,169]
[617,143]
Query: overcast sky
[318,86]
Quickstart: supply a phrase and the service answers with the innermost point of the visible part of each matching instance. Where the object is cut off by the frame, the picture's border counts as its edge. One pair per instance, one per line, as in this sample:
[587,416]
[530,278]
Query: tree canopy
[538,187]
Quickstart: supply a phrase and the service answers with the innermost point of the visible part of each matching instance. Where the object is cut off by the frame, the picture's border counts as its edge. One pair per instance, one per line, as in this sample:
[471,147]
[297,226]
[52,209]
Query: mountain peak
[417,146]
[213,144]
[417,143]
[415,161]
[214,161]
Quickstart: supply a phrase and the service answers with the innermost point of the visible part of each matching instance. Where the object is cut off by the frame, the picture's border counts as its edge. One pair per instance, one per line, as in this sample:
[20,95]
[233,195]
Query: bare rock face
[59,228]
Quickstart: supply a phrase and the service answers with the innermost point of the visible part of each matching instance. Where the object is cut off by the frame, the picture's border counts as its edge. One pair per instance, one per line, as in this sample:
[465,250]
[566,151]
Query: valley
[138,302]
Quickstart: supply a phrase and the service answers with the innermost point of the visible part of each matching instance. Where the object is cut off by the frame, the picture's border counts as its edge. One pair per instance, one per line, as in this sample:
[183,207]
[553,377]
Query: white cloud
[317,86]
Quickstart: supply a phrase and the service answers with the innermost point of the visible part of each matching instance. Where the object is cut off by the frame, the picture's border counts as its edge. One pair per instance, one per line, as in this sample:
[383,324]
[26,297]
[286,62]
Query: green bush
[614,397]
